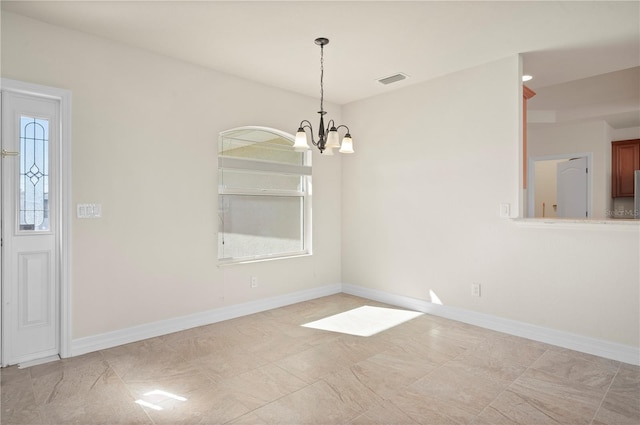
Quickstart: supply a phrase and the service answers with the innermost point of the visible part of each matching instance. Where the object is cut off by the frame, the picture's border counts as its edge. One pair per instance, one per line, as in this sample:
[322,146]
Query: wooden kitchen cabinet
[625,159]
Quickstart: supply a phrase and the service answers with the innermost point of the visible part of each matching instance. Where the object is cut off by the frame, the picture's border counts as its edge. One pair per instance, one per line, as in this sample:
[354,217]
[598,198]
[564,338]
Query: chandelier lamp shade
[328,138]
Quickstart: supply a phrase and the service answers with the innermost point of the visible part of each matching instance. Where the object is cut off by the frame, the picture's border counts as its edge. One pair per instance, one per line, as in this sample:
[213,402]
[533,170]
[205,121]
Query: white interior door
[572,180]
[30,278]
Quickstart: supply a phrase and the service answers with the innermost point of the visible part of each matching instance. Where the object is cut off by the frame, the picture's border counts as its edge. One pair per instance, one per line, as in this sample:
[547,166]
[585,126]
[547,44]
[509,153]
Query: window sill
[225,263]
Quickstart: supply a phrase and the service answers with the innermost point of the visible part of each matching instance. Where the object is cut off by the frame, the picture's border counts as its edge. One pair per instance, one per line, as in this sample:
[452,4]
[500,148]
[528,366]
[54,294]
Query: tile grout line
[489,404]
[439,367]
[276,399]
[511,383]
[595,414]
[33,393]
[104,358]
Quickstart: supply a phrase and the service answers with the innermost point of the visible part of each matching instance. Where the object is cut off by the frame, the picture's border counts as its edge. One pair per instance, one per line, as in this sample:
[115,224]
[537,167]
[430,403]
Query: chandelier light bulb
[347,144]
[333,139]
[300,144]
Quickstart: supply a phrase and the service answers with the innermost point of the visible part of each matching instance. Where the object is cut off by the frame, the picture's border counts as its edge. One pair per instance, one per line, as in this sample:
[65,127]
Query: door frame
[531,190]
[65,210]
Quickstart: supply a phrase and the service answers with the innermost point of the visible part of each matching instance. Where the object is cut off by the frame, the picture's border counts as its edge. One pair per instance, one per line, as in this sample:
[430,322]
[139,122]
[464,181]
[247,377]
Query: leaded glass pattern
[34,174]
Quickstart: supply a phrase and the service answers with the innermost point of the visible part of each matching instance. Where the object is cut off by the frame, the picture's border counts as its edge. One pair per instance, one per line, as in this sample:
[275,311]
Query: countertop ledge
[567,223]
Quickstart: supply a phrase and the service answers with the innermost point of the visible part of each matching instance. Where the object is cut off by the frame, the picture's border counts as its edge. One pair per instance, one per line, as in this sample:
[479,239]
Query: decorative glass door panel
[34,174]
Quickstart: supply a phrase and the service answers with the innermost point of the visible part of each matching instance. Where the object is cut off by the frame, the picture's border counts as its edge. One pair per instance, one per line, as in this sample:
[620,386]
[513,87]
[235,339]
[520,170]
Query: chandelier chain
[321,77]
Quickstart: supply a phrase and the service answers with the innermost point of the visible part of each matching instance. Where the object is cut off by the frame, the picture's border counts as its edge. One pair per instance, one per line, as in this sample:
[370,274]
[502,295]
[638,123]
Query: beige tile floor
[267,369]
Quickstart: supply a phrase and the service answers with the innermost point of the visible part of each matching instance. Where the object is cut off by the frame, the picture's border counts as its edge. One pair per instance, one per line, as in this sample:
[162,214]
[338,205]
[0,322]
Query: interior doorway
[35,218]
[560,186]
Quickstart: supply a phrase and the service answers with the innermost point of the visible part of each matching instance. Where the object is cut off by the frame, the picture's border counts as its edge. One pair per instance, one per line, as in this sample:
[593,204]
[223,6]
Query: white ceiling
[272,42]
[613,97]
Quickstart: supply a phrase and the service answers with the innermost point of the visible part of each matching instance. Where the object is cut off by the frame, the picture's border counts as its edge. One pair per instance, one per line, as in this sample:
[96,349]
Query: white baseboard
[163,327]
[607,349]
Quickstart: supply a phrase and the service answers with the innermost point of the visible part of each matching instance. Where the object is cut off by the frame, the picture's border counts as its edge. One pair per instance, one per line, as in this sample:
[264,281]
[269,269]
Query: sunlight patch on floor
[363,321]
[158,397]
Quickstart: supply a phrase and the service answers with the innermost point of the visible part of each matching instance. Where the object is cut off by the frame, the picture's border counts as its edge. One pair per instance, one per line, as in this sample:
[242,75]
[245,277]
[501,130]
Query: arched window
[264,195]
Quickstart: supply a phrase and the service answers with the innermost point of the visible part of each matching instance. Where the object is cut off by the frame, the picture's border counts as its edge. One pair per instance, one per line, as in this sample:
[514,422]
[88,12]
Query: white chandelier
[328,138]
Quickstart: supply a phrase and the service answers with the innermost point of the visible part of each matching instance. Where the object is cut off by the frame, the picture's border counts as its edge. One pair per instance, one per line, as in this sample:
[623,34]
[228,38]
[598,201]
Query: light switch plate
[89,210]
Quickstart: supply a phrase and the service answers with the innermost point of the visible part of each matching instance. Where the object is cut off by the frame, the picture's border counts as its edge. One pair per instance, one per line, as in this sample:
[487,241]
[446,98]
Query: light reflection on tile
[267,369]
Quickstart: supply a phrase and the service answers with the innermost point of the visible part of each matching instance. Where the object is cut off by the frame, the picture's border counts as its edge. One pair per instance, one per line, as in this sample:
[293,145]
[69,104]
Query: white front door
[30,201]
[572,191]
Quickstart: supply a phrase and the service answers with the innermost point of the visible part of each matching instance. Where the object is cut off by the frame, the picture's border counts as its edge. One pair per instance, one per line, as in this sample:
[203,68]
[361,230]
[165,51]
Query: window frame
[265,166]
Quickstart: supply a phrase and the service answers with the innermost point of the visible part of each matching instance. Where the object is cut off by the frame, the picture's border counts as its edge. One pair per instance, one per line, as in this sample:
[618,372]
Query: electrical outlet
[505,210]
[254,282]
[475,289]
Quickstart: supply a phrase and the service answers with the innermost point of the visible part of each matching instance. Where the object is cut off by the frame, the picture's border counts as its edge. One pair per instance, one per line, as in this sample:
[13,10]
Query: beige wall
[420,213]
[145,134]
[625,133]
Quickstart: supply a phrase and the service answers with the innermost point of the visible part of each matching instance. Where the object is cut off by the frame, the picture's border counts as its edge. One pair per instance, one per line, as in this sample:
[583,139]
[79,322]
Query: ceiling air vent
[392,78]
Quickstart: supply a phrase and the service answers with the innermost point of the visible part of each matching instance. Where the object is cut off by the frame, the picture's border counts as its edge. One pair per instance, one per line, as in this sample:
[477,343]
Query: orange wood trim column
[527,94]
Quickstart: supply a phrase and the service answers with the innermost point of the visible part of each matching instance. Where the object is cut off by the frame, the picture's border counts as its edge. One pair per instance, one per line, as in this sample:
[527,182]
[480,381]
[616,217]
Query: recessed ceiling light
[526,78]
